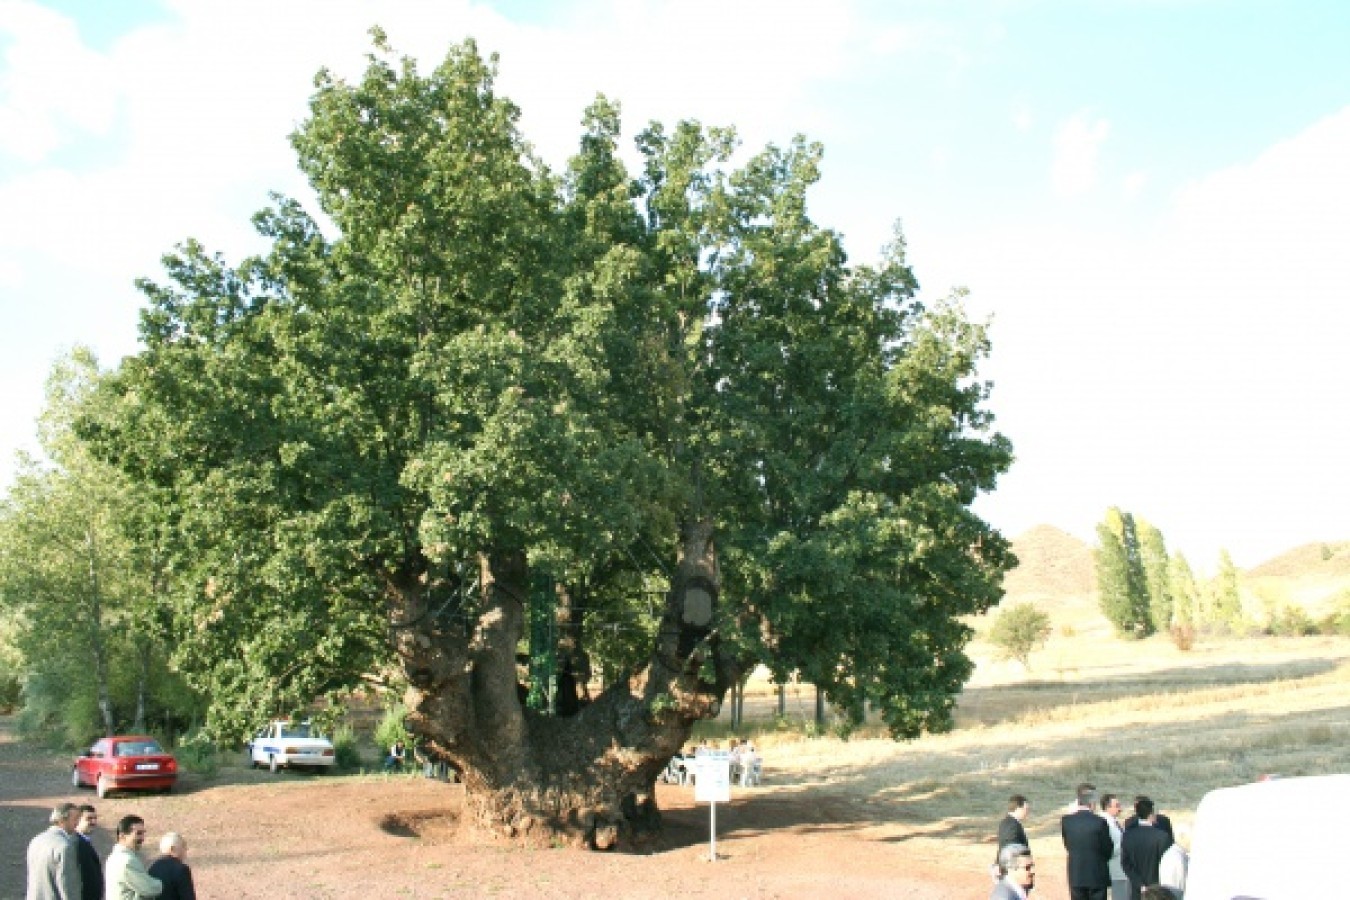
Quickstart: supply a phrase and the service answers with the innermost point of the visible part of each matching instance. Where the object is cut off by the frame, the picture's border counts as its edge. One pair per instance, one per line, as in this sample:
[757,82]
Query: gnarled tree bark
[586,779]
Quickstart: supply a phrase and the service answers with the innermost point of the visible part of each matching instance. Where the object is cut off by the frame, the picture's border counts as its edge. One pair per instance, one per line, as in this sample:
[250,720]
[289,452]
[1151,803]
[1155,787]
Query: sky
[1148,200]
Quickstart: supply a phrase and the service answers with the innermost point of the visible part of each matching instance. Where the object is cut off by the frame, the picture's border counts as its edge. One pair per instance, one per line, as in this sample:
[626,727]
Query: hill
[1313,576]
[1056,573]
[1309,560]
[1051,564]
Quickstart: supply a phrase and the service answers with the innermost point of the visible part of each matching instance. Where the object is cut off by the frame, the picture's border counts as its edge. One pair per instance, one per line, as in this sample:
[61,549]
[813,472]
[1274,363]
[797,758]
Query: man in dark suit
[1159,820]
[1010,830]
[1088,842]
[91,870]
[1142,848]
[172,868]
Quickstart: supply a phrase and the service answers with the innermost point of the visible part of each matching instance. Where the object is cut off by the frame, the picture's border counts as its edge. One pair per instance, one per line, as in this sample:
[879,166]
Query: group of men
[64,865]
[1137,859]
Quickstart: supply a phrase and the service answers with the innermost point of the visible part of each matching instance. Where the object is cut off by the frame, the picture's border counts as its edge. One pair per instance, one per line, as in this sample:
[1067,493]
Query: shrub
[197,754]
[1018,630]
[1338,620]
[391,729]
[1291,621]
[347,754]
[1183,636]
[10,688]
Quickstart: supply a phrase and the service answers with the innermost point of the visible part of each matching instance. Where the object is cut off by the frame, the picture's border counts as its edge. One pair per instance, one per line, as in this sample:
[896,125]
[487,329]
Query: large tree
[655,427]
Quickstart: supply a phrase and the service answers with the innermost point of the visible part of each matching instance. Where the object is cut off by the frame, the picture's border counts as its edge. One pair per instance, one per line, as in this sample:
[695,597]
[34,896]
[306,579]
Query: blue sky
[1149,199]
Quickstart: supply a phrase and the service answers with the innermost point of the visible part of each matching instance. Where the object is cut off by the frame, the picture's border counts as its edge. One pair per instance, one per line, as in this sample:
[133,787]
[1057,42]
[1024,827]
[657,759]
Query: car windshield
[295,731]
[137,748]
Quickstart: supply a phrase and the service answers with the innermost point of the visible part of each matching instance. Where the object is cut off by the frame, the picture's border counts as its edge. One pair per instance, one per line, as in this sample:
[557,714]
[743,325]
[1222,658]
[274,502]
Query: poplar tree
[1121,581]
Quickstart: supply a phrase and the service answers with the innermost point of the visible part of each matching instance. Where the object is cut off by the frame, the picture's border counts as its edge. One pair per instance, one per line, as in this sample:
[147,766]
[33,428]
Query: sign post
[712,784]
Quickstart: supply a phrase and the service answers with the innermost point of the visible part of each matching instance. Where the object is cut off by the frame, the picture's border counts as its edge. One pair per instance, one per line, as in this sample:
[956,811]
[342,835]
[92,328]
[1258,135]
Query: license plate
[147,767]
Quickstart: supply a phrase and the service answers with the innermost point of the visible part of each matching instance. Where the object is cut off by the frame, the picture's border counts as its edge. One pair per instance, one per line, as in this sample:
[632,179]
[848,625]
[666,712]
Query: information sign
[712,776]
[712,785]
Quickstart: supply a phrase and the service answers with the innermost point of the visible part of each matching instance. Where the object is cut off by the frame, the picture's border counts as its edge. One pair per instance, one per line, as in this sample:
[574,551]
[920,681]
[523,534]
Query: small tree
[1018,630]
[1224,610]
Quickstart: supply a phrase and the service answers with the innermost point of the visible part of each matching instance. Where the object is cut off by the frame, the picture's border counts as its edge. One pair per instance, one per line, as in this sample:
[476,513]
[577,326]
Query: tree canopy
[662,408]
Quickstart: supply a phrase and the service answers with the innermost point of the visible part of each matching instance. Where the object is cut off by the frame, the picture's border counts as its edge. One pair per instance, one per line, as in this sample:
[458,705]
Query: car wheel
[272,764]
[101,786]
[75,777]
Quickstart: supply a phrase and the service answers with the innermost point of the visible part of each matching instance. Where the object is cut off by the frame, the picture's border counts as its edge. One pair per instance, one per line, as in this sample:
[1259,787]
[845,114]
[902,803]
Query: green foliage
[485,358]
[81,582]
[1157,582]
[1223,606]
[197,753]
[345,749]
[10,691]
[392,728]
[1291,620]
[1018,630]
[1122,583]
[1185,595]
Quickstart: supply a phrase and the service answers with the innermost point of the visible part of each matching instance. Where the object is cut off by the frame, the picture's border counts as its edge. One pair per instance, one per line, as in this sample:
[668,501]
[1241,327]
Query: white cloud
[52,87]
[1193,373]
[1077,145]
[1133,185]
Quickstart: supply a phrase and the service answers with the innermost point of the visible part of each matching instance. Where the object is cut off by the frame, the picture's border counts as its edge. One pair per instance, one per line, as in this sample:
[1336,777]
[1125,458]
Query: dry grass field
[1129,716]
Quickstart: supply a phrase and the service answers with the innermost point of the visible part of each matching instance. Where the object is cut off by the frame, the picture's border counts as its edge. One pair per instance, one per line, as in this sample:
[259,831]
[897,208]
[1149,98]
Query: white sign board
[712,776]
[712,785]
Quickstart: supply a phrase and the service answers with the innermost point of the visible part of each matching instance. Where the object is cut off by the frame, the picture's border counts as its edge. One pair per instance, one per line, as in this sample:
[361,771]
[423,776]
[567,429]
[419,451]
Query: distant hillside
[1056,571]
[1051,564]
[1314,576]
[1326,560]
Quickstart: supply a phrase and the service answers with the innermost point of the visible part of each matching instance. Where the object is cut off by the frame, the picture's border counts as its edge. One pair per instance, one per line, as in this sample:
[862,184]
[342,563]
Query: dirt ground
[305,837]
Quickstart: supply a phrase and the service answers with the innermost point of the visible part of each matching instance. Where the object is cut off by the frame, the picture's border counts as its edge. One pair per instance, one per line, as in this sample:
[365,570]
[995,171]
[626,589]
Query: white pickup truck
[284,743]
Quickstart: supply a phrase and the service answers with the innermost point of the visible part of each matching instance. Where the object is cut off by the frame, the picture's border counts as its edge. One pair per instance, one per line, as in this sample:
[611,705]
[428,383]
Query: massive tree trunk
[586,779]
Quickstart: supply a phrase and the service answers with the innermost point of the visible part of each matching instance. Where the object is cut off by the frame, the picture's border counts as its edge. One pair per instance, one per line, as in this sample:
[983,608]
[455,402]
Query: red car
[125,763]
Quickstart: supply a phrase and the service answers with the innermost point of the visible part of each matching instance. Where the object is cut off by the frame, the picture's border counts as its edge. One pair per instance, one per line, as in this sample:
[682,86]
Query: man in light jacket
[53,870]
[126,877]
[1120,883]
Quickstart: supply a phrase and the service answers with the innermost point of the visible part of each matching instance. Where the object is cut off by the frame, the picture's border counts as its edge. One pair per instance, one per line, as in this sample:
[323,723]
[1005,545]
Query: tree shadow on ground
[997,704]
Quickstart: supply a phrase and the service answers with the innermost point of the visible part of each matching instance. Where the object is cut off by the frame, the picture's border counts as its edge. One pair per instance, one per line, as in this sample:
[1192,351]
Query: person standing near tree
[91,870]
[172,869]
[1088,842]
[53,868]
[127,878]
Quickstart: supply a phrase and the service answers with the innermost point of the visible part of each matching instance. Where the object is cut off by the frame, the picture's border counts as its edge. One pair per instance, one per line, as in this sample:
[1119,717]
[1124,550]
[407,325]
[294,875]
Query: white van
[1283,839]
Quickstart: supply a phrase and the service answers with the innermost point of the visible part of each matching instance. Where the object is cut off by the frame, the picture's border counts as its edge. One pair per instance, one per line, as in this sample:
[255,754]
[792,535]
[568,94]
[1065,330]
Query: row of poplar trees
[1144,589]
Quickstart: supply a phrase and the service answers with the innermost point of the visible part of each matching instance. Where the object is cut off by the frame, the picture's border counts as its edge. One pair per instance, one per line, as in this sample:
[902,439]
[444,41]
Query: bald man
[172,869]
